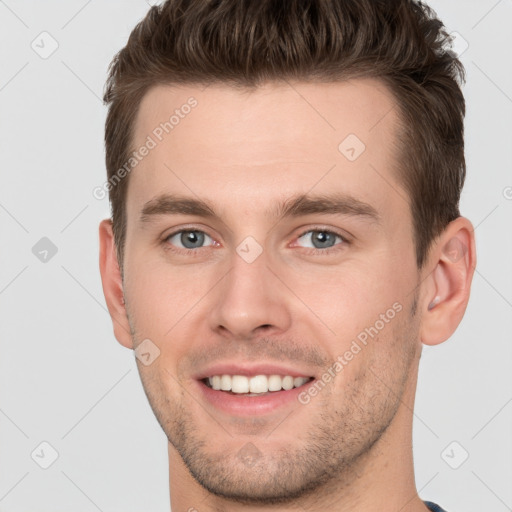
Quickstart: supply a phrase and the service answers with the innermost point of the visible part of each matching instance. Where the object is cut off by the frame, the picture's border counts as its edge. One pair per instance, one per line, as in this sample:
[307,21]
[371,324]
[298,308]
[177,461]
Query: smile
[254,385]
[243,388]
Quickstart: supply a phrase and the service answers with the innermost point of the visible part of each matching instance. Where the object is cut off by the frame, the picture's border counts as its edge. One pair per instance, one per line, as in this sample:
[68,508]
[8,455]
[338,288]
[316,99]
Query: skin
[350,447]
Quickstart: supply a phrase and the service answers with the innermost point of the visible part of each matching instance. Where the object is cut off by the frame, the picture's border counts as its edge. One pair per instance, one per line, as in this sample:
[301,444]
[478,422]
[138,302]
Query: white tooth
[215,382]
[298,381]
[274,383]
[239,384]
[225,382]
[287,383]
[258,384]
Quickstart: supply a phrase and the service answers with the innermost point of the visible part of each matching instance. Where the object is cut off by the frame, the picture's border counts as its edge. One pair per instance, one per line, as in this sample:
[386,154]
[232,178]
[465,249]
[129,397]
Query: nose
[250,300]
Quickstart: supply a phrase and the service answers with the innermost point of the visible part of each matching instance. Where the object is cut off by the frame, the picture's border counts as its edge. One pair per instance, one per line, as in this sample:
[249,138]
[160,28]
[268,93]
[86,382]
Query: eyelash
[310,250]
[329,250]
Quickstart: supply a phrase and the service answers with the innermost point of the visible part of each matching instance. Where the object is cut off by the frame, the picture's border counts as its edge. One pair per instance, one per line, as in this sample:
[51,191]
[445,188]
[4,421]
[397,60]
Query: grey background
[66,381]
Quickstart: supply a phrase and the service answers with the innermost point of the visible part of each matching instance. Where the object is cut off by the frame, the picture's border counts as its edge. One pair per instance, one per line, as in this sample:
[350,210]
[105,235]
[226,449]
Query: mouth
[256,385]
[252,395]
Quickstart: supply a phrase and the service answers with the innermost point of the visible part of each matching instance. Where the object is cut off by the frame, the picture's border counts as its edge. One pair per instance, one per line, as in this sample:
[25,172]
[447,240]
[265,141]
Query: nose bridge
[250,296]
[250,265]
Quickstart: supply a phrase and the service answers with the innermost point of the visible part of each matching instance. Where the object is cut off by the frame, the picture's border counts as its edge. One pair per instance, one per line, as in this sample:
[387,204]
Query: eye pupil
[196,238]
[193,239]
[323,238]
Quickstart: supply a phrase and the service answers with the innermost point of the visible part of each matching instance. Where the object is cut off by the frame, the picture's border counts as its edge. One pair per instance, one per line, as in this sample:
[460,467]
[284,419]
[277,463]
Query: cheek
[349,299]
[164,299]
[153,301]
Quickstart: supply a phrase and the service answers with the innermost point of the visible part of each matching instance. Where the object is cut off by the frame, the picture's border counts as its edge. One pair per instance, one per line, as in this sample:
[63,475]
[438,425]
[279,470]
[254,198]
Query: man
[284,179]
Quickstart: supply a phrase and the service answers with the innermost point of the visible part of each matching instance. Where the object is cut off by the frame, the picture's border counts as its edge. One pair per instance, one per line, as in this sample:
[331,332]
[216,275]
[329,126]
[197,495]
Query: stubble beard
[335,447]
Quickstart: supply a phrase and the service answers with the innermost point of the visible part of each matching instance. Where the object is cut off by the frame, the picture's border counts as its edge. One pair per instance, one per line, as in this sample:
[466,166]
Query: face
[269,245]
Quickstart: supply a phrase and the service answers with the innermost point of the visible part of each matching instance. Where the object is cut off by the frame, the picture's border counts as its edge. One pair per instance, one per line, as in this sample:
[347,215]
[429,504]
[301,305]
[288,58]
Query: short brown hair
[245,43]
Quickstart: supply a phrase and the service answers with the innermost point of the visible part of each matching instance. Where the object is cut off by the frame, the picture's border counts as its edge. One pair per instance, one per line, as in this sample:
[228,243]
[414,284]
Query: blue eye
[319,241]
[191,239]
[322,238]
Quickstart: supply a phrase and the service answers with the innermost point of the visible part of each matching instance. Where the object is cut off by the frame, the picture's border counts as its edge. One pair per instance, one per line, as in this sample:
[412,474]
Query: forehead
[232,145]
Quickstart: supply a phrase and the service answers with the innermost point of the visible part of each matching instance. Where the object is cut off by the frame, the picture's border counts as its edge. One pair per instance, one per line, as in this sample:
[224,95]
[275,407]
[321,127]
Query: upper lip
[250,369]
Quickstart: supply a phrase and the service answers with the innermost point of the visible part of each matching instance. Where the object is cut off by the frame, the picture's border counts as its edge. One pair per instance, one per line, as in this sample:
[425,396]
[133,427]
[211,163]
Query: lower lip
[242,405]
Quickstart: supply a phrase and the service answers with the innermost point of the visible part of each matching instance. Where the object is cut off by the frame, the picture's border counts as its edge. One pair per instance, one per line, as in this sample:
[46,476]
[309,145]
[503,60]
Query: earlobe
[112,284]
[453,259]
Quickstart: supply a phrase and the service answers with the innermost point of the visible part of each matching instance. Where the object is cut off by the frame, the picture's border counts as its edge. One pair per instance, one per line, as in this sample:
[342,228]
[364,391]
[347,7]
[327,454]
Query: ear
[113,285]
[453,260]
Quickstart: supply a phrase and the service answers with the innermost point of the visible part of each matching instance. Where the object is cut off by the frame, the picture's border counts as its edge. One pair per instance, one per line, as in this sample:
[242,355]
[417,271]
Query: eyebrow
[296,206]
